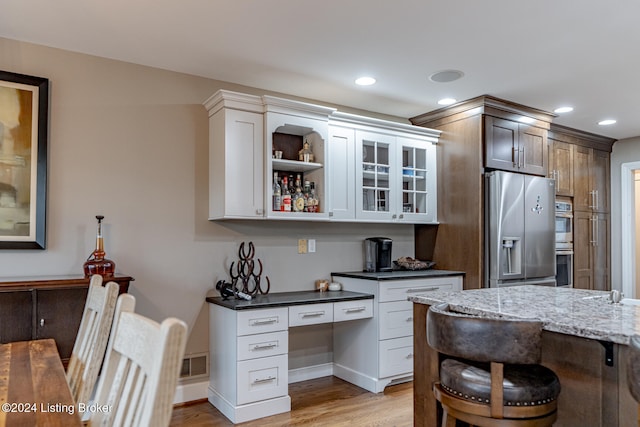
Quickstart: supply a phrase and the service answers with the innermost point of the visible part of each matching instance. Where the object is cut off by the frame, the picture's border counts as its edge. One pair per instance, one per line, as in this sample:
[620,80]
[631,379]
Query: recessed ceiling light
[447,101]
[446,76]
[561,110]
[365,81]
[606,122]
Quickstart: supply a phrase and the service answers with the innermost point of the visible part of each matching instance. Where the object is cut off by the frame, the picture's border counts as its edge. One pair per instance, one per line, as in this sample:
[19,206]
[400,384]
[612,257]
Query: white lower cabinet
[249,362]
[249,351]
[379,352]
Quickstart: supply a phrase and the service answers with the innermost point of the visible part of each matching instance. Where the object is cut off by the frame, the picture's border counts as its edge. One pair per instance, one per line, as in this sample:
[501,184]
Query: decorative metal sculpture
[246,281]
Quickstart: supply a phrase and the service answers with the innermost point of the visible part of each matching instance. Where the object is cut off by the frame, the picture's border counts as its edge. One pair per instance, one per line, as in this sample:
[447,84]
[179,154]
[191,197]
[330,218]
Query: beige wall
[624,151]
[131,143]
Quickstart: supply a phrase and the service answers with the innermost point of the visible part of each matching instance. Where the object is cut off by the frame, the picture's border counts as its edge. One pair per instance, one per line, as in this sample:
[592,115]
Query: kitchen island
[585,340]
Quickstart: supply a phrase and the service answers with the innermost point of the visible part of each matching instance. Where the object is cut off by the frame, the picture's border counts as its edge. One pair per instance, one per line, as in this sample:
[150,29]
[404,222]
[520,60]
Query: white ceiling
[541,53]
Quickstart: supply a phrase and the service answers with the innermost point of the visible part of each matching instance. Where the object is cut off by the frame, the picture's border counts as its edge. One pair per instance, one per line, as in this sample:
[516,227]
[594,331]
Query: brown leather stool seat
[523,385]
[489,372]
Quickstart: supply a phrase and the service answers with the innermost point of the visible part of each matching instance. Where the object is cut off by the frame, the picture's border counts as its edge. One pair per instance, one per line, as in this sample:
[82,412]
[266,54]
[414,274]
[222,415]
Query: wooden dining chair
[489,370]
[141,369]
[633,371]
[91,341]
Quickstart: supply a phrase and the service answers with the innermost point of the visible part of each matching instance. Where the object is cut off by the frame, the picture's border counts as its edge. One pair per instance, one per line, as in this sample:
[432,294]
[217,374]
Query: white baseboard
[310,372]
[190,392]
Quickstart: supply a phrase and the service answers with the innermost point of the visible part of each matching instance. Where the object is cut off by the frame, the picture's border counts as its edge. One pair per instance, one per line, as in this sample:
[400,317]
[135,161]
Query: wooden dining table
[33,386]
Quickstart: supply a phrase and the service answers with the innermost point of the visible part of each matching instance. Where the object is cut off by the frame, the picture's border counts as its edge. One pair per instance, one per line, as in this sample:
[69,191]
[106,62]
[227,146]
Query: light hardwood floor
[326,401]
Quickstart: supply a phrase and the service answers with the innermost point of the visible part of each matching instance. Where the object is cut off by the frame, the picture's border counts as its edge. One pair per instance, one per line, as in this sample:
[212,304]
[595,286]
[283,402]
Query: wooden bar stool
[489,370]
[633,371]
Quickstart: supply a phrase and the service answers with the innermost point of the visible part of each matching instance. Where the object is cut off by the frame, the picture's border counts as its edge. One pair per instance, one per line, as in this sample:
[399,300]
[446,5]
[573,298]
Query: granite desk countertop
[578,312]
[398,274]
[285,299]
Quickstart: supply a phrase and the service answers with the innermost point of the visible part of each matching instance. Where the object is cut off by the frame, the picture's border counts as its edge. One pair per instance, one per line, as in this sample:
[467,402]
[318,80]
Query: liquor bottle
[292,185]
[97,263]
[286,196]
[314,198]
[277,193]
[297,200]
[306,192]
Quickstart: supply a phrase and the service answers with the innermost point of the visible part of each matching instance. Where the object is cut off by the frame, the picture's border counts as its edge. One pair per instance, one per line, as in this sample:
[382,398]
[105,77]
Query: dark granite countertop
[285,299]
[398,274]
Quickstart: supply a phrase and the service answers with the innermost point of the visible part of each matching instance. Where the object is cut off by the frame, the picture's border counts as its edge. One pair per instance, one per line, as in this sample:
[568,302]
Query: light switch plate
[302,246]
[312,245]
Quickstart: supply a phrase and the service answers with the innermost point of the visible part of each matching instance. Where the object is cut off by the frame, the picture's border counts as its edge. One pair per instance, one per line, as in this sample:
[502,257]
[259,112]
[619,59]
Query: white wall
[131,143]
[624,151]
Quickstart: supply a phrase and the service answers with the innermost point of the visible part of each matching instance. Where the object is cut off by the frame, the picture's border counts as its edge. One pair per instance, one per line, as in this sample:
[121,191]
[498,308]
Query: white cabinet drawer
[262,320]
[261,379]
[263,345]
[396,319]
[310,314]
[396,357]
[350,310]
[400,290]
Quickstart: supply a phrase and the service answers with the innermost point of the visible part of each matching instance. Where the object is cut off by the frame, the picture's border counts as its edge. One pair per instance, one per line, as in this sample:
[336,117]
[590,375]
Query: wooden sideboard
[41,307]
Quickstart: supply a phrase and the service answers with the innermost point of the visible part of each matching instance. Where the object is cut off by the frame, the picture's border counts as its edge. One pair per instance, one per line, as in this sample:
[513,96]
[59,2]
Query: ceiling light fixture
[606,122]
[561,110]
[447,101]
[446,76]
[365,81]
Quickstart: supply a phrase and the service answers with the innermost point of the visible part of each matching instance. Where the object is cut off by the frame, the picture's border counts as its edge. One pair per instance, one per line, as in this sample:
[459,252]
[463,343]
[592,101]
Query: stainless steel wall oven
[564,243]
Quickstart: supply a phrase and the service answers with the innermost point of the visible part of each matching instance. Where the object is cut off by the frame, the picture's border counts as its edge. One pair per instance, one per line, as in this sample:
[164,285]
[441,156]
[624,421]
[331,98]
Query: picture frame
[24,129]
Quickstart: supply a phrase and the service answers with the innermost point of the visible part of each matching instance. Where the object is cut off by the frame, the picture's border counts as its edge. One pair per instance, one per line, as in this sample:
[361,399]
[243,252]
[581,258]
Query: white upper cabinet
[236,153]
[289,126]
[361,169]
[391,175]
[341,181]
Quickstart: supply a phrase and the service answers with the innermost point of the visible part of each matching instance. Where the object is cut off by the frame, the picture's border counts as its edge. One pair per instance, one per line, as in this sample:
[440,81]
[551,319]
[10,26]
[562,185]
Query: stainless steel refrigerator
[519,230]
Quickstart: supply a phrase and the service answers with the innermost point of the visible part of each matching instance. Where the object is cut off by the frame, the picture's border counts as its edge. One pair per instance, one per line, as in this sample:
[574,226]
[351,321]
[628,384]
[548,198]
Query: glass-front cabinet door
[418,202]
[376,171]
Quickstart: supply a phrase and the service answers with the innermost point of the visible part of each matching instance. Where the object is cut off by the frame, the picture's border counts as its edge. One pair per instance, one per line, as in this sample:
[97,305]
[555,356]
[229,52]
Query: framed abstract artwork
[24,122]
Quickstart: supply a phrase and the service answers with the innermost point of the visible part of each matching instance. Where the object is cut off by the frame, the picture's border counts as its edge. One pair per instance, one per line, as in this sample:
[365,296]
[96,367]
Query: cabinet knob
[259,211]
[401,216]
[394,216]
[41,322]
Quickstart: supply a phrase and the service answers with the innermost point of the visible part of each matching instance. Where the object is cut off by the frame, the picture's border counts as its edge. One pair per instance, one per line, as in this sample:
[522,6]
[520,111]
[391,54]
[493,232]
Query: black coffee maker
[377,254]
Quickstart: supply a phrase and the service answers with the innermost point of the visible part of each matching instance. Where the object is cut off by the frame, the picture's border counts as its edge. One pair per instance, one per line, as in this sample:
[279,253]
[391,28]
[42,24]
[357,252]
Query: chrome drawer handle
[267,346]
[264,380]
[264,321]
[313,314]
[355,309]
[414,290]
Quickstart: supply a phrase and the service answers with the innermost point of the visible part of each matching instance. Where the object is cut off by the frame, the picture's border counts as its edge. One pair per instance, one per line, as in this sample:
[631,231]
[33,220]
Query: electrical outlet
[312,246]
[302,246]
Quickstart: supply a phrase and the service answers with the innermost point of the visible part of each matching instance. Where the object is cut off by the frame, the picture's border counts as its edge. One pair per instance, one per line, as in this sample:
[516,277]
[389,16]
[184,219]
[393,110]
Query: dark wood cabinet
[591,251]
[515,147]
[561,166]
[16,314]
[590,169]
[46,307]
[476,134]
[592,176]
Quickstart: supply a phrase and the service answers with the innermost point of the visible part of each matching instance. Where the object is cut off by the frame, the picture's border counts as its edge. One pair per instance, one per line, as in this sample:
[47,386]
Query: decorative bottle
[305,155]
[285,205]
[97,263]
[277,193]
